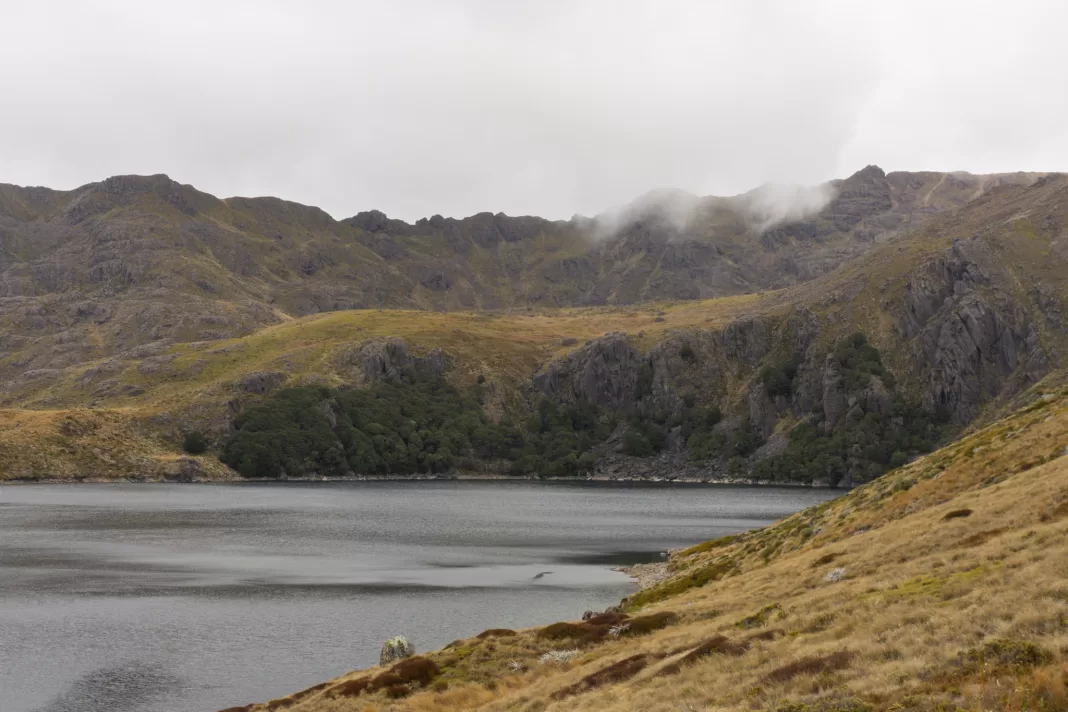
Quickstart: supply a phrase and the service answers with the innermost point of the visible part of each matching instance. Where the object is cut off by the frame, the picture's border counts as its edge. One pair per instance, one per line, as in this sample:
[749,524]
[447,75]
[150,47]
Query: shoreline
[465,477]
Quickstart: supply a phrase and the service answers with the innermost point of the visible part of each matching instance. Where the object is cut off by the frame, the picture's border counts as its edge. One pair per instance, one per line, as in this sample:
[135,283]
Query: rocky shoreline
[647,575]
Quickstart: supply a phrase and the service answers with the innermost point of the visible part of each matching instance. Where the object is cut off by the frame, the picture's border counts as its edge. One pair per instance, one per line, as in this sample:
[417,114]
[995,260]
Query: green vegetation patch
[407,426]
[1005,653]
[709,545]
[680,584]
[761,617]
[879,429]
[424,426]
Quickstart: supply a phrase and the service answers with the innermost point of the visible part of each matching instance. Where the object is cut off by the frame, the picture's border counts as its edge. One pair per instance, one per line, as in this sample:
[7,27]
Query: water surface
[182,598]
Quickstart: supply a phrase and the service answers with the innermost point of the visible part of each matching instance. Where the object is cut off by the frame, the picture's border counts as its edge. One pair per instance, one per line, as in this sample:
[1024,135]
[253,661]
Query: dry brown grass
[969,613]
[88,444]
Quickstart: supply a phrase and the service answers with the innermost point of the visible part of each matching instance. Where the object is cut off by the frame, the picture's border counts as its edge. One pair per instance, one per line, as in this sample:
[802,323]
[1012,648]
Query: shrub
[958,514]
[778,378]
[1006,653]
[194,443]
[636,444]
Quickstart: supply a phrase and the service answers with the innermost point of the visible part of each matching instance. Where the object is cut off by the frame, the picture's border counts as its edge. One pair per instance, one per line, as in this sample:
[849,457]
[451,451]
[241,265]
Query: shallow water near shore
[181,598]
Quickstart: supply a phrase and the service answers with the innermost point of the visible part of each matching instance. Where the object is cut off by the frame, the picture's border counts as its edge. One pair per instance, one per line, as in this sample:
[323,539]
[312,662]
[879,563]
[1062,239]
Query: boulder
[395,649]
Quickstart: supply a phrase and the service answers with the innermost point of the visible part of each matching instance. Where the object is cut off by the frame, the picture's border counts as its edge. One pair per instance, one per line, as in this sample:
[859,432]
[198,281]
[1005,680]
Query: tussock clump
[298,696]
[350,688]
[716,645]
[812,665]
[1005,653]
[614,624]
[647,624]
[616,672]
[407,674]
[769,634]
[558,657]
[607,618]
[957,514]
[760,618]
[981,537]
[418,670]
[826,559]
[395,692]
[838,704]
[496,633]
[581,632]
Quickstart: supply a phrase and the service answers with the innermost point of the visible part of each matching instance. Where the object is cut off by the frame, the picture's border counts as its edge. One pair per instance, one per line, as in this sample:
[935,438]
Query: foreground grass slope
[940,586]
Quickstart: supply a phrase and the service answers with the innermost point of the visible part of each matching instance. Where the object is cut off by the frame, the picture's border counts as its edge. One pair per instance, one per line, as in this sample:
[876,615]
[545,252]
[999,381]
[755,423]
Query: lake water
[182,598]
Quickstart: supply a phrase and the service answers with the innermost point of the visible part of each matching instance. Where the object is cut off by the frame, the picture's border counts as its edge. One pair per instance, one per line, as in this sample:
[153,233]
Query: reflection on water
[168,598]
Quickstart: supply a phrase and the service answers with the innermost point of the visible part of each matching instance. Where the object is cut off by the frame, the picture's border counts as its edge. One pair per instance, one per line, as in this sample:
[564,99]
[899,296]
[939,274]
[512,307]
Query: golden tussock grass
[927,613]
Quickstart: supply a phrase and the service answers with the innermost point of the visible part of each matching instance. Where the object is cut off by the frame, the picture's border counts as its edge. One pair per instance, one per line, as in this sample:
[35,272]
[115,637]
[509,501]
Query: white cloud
[417,107]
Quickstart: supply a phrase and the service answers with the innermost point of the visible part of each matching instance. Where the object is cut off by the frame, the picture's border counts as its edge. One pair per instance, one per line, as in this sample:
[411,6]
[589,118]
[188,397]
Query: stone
[395,649]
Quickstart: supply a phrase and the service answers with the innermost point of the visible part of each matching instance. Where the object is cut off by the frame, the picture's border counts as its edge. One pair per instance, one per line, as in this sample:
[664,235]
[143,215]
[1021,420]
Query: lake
[182,598]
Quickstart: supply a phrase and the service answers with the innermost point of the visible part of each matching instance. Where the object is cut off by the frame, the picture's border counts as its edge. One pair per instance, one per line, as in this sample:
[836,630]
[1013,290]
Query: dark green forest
[867,441]
[424,425]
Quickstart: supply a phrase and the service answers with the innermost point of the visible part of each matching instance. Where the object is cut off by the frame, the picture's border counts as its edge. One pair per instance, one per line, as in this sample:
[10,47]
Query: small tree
[195,443]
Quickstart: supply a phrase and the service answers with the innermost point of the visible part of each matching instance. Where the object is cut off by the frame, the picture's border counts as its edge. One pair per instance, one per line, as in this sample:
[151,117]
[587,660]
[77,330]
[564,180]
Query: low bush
[195,443]
[1005,653]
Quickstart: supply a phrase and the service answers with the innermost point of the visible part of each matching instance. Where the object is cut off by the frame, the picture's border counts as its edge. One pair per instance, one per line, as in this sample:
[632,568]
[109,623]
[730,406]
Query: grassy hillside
[940,586]
[160,391]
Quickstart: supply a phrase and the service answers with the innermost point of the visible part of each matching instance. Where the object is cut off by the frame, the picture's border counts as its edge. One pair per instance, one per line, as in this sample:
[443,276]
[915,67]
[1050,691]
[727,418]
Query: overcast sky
[548,107]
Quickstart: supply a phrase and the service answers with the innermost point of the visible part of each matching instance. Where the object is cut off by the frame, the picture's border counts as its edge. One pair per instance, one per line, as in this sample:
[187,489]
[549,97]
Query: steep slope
[938,587]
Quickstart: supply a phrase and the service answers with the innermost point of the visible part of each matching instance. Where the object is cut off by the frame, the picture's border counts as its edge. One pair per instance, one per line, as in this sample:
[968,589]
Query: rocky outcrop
[261,383]
[604,373]
[387,359]
[865,193]
[969,335]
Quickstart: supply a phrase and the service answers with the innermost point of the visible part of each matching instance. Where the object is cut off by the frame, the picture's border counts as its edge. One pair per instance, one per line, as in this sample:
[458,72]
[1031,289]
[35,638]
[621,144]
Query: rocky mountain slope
[938,587]
[134,260]
[138,305]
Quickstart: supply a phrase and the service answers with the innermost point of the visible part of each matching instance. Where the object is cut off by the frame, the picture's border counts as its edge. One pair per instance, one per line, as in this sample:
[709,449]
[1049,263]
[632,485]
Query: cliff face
[971,318]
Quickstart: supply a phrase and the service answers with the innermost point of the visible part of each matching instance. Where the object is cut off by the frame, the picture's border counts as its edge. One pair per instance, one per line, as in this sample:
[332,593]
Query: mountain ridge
[155,304]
